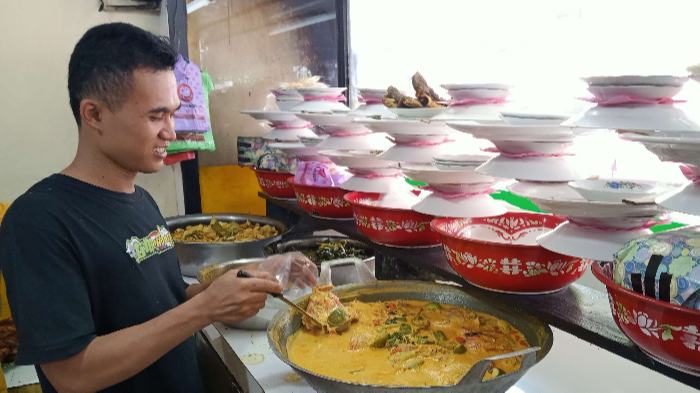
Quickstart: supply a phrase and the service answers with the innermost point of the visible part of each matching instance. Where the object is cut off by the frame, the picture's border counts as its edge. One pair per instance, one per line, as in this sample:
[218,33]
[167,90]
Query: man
[90,315]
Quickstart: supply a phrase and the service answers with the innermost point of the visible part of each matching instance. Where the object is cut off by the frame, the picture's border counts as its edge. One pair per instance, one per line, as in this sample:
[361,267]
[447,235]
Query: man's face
[135,136]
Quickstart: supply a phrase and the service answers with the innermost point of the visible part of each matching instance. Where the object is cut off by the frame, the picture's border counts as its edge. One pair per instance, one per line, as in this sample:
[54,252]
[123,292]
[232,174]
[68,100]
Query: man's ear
[92,113]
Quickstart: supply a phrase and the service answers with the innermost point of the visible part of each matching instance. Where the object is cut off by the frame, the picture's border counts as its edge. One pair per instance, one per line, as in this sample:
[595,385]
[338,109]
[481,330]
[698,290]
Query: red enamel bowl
[389,226]
[666,332]
[501,253]
[322,202]
[274,183]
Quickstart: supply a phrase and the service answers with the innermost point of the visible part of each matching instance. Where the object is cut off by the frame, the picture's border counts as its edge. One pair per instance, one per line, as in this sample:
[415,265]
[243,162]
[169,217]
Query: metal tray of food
[537,334]
[194,256]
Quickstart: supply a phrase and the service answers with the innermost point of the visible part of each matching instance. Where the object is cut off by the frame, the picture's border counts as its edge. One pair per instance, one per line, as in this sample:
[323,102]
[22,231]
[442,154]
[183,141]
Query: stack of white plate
[635,116]
[321,100]
[371,174]
[530,152]
[372,105]
[287,99]
[676,146]
[480,112]
[286,127]
[596,229]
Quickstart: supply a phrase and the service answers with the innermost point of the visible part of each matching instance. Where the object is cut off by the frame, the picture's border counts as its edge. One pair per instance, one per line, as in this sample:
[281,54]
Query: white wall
[38,135]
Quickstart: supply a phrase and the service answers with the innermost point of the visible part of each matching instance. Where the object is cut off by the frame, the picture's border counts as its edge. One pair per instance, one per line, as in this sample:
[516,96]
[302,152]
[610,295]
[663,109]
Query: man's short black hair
[103,62]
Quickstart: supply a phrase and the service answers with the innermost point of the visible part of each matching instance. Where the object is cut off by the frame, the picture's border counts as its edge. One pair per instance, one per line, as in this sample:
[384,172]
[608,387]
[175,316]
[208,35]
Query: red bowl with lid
[391,226]
[274,183]
[322,202]
[501,253]
[666,332]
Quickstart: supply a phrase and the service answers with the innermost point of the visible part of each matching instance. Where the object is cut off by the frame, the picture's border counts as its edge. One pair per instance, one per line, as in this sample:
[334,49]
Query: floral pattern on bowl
[274,183]
[501,253]
[666,332]
[624,185]
[394,227]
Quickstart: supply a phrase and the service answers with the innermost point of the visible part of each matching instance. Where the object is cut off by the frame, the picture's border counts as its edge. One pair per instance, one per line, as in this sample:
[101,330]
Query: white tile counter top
[572,366]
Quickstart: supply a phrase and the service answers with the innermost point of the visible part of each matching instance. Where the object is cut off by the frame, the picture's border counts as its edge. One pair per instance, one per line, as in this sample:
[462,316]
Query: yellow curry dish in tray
[400,343]
[218,232]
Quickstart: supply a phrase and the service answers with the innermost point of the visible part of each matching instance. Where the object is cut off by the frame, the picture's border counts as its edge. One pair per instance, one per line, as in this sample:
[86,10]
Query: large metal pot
[194,256]
[342,273]
[537,334]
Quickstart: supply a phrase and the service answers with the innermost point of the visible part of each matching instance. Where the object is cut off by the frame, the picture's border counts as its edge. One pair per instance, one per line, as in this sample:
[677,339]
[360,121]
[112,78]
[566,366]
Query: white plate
[364,142]
[277,117]
[367,110]
[521,147]
[533,119]
[321,91]
[673,150]
[513,132]
[417,113]
[463,159]
[295,149]
[638,117]
[563,200]
[413,138]
[347,159]
[408,127]
[627,80]
[287,93]
[485,114]
[466,86]
[326,107]
[418,154]
[685,200]
[433,175]
[543,169]
[476,206]
[371,94]
[462,188]
[289,135]
[346,129]
[287,106]
[646,92]
[579,242]
[481,94]
[615,190]
[326,119]
[312,141]
[379,184]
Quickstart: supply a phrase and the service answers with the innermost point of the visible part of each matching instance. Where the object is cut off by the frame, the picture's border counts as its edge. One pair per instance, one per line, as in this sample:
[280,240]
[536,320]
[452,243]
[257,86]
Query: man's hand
[232,299]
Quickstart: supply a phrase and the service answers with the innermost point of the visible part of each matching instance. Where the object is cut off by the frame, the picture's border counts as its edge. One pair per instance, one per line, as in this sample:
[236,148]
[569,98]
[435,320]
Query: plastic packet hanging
[192,115]
[315,173]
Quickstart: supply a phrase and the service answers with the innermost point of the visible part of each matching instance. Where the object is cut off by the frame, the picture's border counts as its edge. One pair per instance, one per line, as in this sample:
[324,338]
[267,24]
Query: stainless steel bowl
[194,256]
[537,334]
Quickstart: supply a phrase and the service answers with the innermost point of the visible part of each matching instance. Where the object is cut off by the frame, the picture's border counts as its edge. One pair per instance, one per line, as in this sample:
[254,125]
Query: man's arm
[115,357]
[193,290]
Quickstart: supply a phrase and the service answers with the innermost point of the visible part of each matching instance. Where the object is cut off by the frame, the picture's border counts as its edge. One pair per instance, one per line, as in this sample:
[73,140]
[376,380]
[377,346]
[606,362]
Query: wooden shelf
[578,310]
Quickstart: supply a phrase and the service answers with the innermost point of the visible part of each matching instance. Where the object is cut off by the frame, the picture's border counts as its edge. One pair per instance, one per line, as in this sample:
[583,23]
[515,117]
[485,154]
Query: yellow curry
[402,342]
[219,232]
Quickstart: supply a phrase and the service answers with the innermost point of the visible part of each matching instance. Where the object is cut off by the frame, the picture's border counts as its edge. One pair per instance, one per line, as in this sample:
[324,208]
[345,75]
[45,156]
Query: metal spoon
[244,274]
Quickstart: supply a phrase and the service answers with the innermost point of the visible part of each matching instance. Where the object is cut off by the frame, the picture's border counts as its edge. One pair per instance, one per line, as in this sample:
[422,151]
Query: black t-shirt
[81,261]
